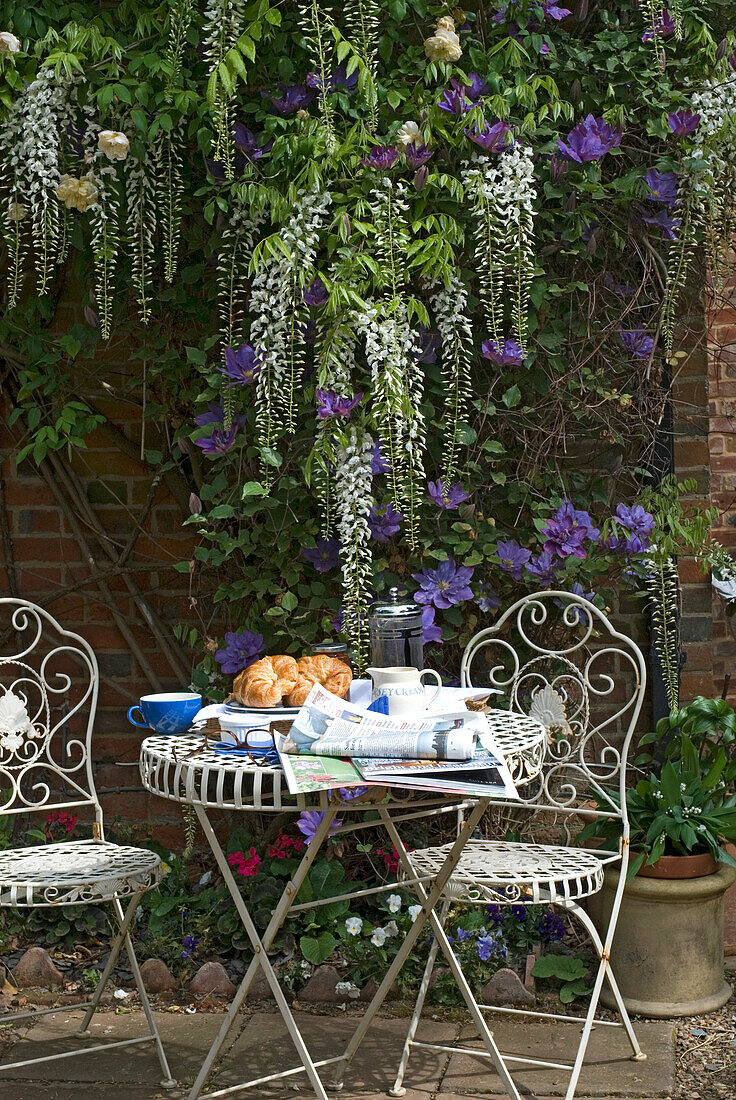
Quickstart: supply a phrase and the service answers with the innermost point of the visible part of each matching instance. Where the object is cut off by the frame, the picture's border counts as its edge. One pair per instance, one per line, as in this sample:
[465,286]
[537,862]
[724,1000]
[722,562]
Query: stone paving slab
[262,1046]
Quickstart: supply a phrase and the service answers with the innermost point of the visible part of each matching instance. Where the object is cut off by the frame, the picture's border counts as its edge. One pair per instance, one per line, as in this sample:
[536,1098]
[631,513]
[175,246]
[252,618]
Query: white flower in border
[409,134]
[16,212]
[9,43]
[354,925]
[414,911]
[347,989]
[392,929]
[120,994]
[394,903]
[113,144]
[379,937]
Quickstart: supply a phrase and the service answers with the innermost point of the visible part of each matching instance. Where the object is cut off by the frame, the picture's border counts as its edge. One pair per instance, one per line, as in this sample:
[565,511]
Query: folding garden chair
[48,698]
[558,658]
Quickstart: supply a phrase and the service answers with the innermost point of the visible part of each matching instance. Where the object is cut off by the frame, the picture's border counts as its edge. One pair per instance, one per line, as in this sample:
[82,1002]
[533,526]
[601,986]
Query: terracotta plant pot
[729,917]
[679,867]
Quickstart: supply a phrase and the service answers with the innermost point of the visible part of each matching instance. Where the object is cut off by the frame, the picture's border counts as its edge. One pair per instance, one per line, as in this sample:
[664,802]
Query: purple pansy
[379,465]
[663,26]
[241,650]
[665,222]
[431,631]
[542,568]
[635,519]
[337,81]
[241,365]
[447,496]
[384,522]
[249,143]
[219,443]
[492,137]
[454,100]
[293,98]
[417,155]
[324,556]
[512,557]
[476,88]
[662,186]
[682,122]
[551,927]
[507,353]
[381,156]
[487,600]
[316,293]
[444,586]
[330,403]
[310,820]
[589,140]
[637,342]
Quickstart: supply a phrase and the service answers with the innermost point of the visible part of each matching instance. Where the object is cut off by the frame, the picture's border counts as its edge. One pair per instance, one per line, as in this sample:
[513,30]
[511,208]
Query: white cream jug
[403,688]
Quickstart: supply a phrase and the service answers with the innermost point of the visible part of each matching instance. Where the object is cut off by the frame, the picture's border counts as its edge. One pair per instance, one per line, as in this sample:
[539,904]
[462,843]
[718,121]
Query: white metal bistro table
[184,769]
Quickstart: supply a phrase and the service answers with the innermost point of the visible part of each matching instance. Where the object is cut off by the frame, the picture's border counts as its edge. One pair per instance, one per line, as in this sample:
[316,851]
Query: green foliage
[570,972]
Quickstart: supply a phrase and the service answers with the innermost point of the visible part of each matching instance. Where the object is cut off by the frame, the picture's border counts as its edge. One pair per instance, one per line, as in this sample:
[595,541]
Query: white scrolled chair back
[556,656]
[49,682]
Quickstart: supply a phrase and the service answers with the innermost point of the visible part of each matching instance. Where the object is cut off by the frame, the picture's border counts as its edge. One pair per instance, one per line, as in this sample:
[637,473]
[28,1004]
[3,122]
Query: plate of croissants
[280,684]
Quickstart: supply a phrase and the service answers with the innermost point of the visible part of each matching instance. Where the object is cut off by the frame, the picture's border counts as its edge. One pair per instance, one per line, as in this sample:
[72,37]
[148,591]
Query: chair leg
[398,1089]
[124,922]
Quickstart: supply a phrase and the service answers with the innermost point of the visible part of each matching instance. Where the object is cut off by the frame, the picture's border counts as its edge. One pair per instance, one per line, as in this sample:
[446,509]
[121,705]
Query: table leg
[444,944]
[428,903]
[260,949]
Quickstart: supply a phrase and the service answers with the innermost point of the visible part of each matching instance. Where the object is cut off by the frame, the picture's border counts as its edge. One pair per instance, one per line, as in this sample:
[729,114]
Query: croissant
[333,674]
[265,683]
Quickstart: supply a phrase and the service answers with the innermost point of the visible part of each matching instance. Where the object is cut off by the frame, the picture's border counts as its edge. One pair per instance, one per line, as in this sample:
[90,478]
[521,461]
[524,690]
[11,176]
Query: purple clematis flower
[664,25]
[544,48]
[566,531]
[417,155]
[249,143]
[589,140]
[242,365]
[218,170]
[324,556]
[635,519]
[331,404]
[664,221]
[316,293]
[427,345]
[567,510]
[542,568]
[554,11]
[384,522]
[310,820]
[336,82]
[487,600]
[512,557]
[216,415]
[219,443]
[444,586]
[507,353]
[241,650]
[637,342]
[447,496]
[454,100]
[293,98]
[682,122]
[662,186]
[492,137]
[381,156]
[431,631]
[379,465]
[477,88]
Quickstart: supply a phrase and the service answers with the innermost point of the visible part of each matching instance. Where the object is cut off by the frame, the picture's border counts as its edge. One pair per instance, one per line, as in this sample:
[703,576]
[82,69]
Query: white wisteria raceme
[223,25]
[16,212]
[9,43]
[450,308]
[716,105]
[114,144]
[141,227]
[234,254]
[353,502]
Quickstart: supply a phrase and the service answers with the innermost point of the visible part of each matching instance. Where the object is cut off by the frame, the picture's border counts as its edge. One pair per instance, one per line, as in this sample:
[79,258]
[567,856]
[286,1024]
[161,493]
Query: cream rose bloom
[16,212]
[77,194]
[9,43]
[409,134]
[444,45]
[113,144]
[446,23]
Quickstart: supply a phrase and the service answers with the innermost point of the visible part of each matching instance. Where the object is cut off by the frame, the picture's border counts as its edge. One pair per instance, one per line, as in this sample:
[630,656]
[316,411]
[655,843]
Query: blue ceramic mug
[169,712]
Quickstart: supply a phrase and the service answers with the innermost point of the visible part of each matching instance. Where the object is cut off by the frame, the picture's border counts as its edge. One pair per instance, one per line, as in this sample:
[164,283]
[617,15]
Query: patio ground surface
[261,1046]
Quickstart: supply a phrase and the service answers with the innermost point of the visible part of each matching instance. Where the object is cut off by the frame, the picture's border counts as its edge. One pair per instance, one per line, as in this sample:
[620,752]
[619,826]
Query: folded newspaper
[443,752]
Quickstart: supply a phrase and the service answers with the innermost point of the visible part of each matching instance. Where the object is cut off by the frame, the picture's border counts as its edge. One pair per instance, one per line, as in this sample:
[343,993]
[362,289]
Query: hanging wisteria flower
[409,134]
[589,140]
[512,557]
[637,342]
[77,194]
[219,443]
[542,568]
[663,26]
[324,556]
[662,186]
[379,937]
[444,586]
[353,925]
[444,44]
[310,820]
[316,294]
[635,519]
[493,136]
[431,631]
[295,97]
[249,143]
[241,365]
[114,144]
[417,155]
[338,81]
[507,353]
[381,156]
[330,403]
[379,465]
[487,600]
[9,43]
[664,221]
[447,496]
[384,523]
[454,100]
[241,650]
[682,122]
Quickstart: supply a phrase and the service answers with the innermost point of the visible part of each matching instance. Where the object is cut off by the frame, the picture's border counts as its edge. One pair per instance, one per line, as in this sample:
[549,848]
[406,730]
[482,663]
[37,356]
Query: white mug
[403,688]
